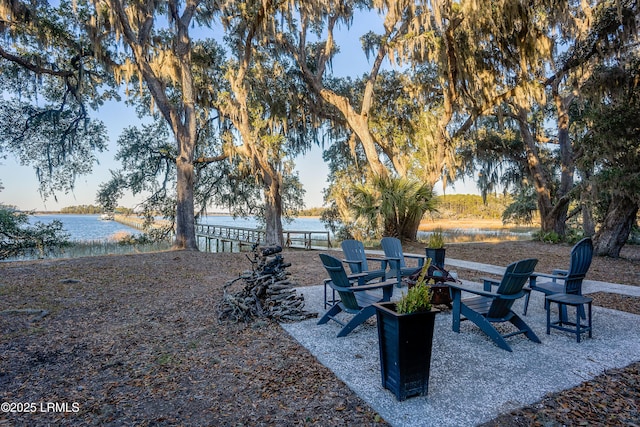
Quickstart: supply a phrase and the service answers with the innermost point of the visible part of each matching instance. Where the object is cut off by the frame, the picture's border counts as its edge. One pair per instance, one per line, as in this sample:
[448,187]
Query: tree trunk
[187,138]
[567,166]
[360,126]
[536,171]
[586,198]
[615,229]
[552,217]
[410,230]
[588,223]
[273,211]
[185,218]
[180,117]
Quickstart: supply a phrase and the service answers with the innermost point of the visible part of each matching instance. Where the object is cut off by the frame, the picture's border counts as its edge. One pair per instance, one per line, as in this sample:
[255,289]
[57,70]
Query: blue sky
[21,186]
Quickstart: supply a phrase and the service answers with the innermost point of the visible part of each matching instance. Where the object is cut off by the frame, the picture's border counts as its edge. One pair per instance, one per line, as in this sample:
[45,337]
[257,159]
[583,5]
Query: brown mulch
[135,340]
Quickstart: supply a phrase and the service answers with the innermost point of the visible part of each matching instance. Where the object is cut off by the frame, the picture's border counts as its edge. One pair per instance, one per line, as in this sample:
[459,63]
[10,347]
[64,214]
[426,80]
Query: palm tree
[393,206]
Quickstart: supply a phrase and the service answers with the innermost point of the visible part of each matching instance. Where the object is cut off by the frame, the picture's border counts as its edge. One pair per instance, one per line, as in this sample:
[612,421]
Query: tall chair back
[581,256]
[357,258]
[340,282]
[354,250]
[392,248]
[515,277]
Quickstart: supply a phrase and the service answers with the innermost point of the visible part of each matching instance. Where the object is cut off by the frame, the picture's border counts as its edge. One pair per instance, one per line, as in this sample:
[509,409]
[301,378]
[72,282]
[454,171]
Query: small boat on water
[107,216]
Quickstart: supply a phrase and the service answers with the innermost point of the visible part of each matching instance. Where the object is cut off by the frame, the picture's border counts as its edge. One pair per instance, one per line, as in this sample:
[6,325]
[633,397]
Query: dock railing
[226,236]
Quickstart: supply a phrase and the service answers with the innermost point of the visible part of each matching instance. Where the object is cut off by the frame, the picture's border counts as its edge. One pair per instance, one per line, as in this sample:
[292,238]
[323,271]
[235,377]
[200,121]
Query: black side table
[574,301]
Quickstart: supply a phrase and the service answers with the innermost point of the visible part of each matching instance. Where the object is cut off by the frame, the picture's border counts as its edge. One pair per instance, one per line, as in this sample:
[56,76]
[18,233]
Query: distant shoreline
[426,225]
[471,223]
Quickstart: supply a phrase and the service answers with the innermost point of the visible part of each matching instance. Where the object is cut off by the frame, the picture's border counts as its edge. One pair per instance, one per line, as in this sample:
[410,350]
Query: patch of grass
[164,359]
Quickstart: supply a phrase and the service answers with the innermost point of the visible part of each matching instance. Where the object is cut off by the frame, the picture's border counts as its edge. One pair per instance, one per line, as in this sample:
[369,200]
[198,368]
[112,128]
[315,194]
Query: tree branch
[33,67]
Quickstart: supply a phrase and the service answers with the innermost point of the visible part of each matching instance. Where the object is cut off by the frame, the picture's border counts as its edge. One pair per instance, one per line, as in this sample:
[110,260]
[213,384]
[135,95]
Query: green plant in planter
[436,239]
[435,248]
[419,297]
[405,340]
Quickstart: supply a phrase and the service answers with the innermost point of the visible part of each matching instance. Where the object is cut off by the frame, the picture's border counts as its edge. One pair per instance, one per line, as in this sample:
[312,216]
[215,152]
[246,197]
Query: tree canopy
[500,91]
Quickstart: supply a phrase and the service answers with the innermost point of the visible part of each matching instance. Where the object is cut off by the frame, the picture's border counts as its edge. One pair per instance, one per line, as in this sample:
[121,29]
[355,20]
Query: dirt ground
[135,340]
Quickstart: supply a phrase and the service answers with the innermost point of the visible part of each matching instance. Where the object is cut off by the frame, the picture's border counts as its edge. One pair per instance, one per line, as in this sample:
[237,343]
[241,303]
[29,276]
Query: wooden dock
[135,221]
[227,238]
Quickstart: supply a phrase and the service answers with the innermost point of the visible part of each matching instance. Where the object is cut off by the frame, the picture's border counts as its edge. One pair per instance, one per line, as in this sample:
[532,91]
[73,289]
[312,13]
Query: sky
[21,185]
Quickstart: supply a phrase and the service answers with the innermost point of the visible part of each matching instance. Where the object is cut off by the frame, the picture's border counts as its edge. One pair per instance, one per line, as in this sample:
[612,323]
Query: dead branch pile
[264,292]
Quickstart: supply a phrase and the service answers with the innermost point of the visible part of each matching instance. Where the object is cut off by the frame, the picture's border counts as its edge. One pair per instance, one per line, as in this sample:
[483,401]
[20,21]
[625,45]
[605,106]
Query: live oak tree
[483,58]
[587,30]
[51,83]
[401,118]
[267,108]
[307,35]
[148,47]
[499,59]
[494,59]
[249,109]
[146,44]
[157,55]
[609,115]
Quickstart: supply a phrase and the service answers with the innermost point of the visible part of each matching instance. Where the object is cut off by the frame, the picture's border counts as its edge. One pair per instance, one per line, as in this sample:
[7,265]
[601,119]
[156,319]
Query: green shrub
[418,298]
[436,239]
[547,237]
[18,237]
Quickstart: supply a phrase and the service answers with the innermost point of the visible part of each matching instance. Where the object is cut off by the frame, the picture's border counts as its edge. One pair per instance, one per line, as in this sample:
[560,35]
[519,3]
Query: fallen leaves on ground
[135,340]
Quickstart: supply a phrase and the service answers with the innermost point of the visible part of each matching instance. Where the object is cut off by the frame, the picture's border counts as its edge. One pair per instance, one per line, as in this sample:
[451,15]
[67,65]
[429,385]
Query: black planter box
[437,256]
[405,342]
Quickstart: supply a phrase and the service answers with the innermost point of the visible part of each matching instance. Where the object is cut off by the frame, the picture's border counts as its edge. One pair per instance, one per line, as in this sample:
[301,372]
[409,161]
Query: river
[87,228]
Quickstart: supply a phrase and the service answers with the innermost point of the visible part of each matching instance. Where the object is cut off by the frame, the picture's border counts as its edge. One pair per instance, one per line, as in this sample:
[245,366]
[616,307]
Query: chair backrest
[581,256]
[515,277]
[392,248]
[354,250]
[339,281]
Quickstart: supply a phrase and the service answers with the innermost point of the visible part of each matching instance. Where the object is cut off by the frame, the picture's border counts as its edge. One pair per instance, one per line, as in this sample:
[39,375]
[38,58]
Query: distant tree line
[311,212]
[458,206]
[82,209]
[462,206]
[92,210]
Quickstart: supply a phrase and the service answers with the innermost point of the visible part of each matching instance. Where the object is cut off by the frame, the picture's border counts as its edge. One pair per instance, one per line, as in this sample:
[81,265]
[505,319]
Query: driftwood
[263,292]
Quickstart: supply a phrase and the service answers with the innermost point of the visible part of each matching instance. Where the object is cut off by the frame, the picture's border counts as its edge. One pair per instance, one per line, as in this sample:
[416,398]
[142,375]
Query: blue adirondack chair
[490,307]
[565,281]
[357,259]
[398,268]
[354,299]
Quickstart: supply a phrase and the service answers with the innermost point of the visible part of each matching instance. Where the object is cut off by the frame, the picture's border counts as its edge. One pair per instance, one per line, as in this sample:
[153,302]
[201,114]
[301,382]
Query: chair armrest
[459,287]
[357,276]
[382,261]
[394,262]
[414,256]
[419,258]
[488,283]
[353,261]
[558,272]
[377,285]
[553,277]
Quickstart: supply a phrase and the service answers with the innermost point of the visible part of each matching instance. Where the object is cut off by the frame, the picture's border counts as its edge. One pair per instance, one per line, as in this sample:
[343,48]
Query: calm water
[85,228]
[298,224]
[91,228]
